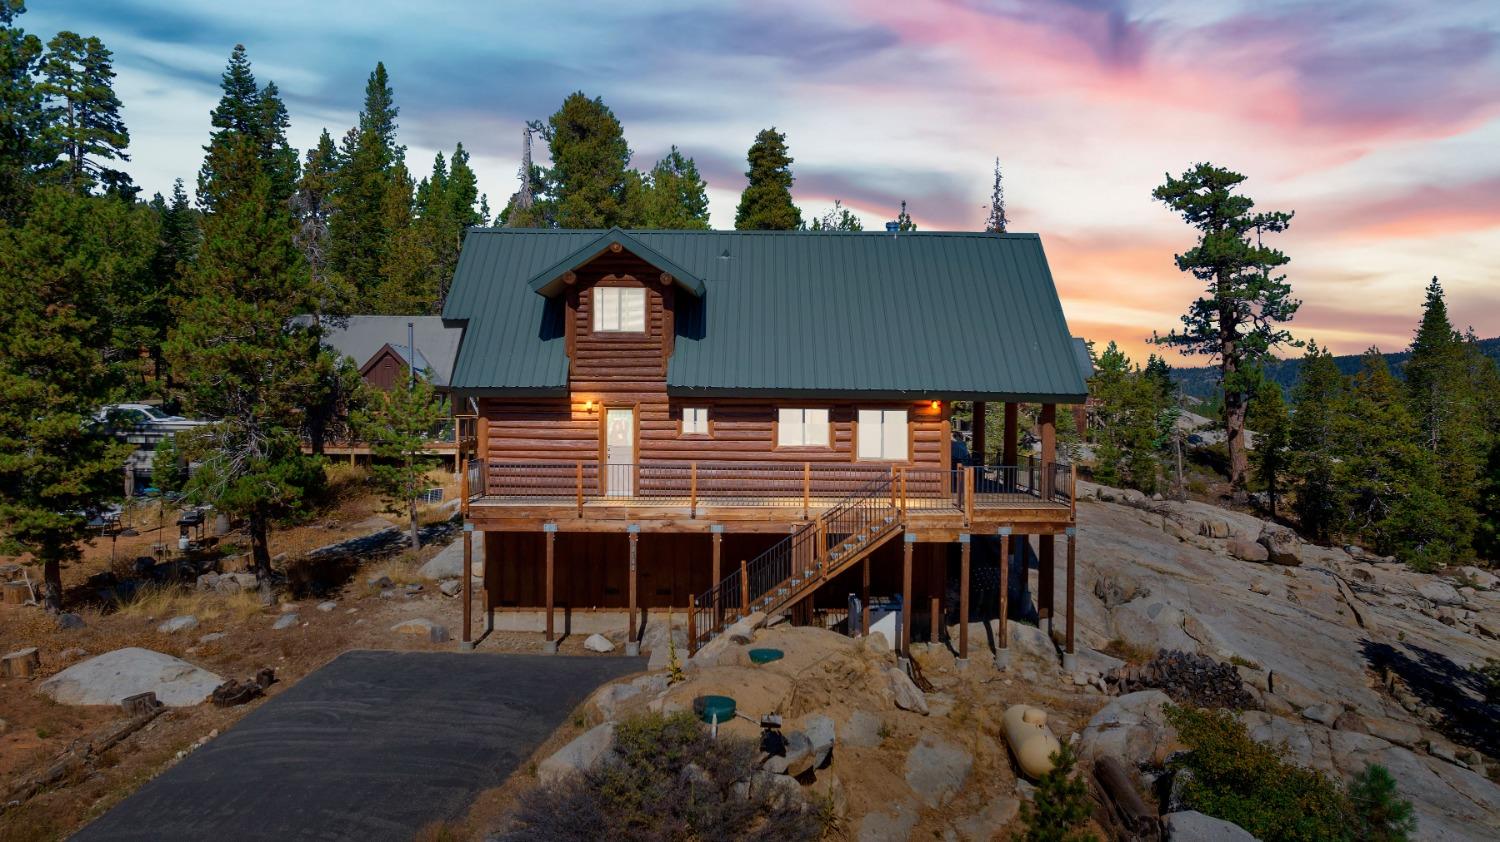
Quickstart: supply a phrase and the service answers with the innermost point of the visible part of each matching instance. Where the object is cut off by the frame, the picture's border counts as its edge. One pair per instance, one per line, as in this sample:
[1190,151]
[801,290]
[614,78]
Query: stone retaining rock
[1193,826]
[937,769]
[905,692]
[582,754]
[1132,728]
[1248,550]
[598,643]
[187,622]
[108,678]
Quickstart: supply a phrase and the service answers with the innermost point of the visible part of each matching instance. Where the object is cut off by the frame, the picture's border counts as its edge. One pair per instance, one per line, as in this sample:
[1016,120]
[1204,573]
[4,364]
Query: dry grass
[401,570]
[162,601]
[1127,652]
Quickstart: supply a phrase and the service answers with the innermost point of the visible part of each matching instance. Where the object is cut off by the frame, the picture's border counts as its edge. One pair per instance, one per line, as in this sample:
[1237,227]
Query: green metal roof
[872,314]
[549,281]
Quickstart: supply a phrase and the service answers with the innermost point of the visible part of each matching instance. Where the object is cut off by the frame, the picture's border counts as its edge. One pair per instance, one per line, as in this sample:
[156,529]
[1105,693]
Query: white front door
[619,443]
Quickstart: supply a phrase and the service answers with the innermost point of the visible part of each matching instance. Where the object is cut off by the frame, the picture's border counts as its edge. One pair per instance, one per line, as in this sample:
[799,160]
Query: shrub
[1489,679]
[1382,815]
[667,779]
[1230,776]
[1061,805]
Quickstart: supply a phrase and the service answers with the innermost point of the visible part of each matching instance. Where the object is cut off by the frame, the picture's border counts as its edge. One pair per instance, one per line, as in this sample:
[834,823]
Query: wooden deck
[937,504]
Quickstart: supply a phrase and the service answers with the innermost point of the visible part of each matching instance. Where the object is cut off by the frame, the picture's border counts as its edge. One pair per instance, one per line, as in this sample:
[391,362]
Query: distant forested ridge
[1203,382]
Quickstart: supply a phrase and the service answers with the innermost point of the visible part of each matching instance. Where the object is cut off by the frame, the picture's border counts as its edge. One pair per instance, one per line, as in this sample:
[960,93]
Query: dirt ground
[826,673]
[34,730]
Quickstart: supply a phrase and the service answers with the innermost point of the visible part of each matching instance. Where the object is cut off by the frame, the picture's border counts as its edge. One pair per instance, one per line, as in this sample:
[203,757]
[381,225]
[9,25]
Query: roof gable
[550,281]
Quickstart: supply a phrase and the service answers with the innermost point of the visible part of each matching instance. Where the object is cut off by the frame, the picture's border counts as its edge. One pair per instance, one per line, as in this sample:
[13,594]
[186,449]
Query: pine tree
[256,116]
[1385,477]
[526,207]
[240,357]
[766,204]
[589,183]
[367,196]
[838,218]
[1449,396]
[1317,399]
[1487,537]
[903,220]
[1134,415]
[83,114]
[58,273]
[176,248]
[1060,809]
[22,120]
[397,425]
[1380,812]
[1267,416]
[1237,319]
[997,221]
[313,205]
[676,195]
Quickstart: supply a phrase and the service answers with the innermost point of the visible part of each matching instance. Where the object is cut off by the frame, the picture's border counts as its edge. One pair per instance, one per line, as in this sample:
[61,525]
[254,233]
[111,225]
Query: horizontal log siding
[617,370]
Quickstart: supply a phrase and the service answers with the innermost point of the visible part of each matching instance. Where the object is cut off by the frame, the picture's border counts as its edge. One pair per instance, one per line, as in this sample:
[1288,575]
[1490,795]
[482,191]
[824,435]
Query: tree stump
[15,593]
[23,663]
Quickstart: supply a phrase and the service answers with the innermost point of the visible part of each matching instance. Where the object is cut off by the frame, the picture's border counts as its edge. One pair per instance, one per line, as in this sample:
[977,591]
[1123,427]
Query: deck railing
[809,487]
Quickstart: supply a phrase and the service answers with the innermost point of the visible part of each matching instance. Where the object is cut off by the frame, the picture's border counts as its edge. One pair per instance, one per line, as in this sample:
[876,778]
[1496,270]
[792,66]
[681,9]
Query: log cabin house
[716,423]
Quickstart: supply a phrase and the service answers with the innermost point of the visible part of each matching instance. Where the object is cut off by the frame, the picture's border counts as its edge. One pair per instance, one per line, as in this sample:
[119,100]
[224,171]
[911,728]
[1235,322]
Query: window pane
[869,434]
[632,310]
[695,420]
[815,427]
[788,427]
[894,435]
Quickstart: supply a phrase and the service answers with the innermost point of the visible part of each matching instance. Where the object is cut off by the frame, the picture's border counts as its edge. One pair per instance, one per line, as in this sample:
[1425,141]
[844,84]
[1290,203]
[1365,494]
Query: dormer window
[619,310]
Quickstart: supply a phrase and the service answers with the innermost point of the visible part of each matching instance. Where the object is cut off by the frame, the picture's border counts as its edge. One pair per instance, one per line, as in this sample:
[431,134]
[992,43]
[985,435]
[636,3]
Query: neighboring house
[378,345]
[722,422]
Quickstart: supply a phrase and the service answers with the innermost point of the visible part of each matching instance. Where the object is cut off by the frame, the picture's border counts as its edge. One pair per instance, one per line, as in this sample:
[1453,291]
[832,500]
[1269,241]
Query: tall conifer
[766,204]
[83,114]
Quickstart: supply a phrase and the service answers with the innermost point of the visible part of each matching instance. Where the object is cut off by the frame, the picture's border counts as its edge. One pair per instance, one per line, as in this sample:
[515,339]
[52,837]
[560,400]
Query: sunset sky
[1377,122]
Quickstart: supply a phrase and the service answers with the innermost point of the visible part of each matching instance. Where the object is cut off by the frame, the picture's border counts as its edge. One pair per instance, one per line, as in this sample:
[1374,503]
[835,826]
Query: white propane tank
[1030,740]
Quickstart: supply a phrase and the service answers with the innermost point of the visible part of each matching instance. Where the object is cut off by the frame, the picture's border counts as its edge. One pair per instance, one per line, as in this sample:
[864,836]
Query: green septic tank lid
[765,656]
[709,707]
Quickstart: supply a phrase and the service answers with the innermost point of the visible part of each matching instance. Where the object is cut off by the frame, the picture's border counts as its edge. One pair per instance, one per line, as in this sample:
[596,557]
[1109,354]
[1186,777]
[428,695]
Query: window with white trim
[619,310]
[802,427]
[695,420]
[883,434]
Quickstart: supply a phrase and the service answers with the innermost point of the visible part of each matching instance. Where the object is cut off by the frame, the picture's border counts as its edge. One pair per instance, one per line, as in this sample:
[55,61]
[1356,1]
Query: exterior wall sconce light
[937,405]
[588,405]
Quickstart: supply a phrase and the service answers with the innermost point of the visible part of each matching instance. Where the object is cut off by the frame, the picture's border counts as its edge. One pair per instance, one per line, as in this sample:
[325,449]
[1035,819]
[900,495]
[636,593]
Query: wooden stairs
[795,567]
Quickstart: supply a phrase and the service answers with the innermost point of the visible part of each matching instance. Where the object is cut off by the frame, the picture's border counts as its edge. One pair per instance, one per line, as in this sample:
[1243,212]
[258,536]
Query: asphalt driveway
[373,746]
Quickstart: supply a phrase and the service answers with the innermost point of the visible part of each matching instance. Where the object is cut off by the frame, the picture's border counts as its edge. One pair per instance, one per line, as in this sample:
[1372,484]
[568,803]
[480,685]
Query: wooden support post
[903,493]
[468,583]
[1046,578]
[806,488]
[693,490]
[963,596]
[1002,632]
[864,599]
[1048,424]
[463,487]
[1072,552]
[718,541]
[580,489]
[906,596]
[22,663]
[482,447]
[551,532]
[633,532]
[976,448]
[969,495]
[744,587]
[1011,454]
[935,588]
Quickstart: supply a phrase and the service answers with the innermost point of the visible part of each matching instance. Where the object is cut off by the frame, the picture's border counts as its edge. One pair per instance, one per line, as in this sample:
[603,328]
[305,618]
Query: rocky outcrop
[1193,826]
[936,769]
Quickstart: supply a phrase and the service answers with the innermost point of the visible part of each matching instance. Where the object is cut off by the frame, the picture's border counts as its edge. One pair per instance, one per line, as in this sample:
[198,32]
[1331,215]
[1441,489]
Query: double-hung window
[802,428]
[619,310]
[695,420]
[883,434]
